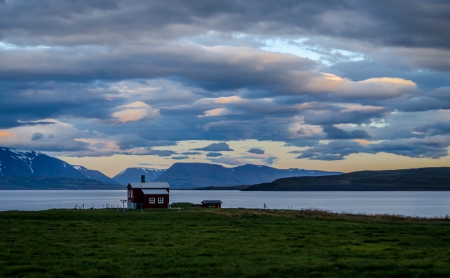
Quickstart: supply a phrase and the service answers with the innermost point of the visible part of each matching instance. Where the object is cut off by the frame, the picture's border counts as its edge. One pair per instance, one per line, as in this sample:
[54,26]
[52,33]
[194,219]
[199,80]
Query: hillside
[421,179]
[196,175]
[15,162]
[24,169]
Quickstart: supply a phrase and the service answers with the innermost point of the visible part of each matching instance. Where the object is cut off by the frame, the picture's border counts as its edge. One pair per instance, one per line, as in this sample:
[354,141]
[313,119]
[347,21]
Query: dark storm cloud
[256,151]
[398,23]
[215,147]
[337,133]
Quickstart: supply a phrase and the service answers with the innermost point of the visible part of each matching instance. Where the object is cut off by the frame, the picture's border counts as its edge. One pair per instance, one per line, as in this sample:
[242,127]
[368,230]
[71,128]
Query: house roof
[212,201]
[155,192]
[149,185]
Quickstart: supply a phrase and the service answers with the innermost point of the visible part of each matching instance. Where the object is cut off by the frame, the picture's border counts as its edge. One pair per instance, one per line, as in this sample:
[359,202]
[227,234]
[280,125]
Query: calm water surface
[423,203]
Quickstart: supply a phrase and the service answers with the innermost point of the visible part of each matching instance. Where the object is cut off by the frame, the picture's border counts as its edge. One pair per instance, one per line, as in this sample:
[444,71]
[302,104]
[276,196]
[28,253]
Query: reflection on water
[413,203]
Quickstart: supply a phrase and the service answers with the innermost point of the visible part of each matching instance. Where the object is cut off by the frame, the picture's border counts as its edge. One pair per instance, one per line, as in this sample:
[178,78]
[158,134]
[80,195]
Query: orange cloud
[136,111]
[362,141]
[5,134]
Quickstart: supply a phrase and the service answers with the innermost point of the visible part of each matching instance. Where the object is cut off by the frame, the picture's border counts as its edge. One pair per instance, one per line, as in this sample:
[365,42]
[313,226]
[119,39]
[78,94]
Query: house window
[151,200]
[160,200]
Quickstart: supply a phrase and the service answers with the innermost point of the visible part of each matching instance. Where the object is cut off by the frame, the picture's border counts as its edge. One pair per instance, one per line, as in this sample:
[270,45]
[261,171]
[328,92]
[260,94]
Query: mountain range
[34,170]
[195,175]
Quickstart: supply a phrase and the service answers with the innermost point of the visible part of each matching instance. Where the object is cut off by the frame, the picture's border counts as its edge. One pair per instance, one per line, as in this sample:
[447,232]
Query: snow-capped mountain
[134,175]
[94,174]
[14,162]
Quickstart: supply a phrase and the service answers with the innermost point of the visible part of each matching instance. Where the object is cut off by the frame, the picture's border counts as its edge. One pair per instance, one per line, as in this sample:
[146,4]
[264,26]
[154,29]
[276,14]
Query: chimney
[143,179]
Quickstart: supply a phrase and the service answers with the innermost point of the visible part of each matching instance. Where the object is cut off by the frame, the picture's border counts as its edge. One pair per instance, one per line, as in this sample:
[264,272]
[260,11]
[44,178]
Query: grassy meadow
[197,242]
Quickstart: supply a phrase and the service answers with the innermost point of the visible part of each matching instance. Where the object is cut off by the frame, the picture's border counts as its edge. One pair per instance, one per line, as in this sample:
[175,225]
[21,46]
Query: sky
[331,85]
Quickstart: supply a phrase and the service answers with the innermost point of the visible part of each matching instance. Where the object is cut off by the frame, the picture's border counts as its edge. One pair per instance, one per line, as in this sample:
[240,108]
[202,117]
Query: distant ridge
[135,173]
[420,179]
[195,175]
[94,174]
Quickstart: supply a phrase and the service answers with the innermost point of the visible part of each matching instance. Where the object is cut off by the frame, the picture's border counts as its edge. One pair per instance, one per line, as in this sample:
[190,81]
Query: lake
[411,203]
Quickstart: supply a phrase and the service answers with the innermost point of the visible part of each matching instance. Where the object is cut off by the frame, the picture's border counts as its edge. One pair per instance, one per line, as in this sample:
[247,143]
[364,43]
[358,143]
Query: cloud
[180,157]
[191,153]
[149,151]
[442,128]
[230,161]
[216,112]
[434,147]
[419,26]
[216,147]
[337,133]
[213,154]
[334,150]
[256,151]
[125,78]
[236,161]
[136,111]
[37,136]
[5,134]
[62,138]
[131,140]
[270,160]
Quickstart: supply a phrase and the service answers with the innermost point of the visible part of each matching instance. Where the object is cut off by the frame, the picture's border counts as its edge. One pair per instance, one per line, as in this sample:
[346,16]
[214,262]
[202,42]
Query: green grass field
[197,242]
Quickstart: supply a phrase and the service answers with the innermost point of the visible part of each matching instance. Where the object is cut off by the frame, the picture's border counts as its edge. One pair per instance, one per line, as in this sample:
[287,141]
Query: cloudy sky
[334,85]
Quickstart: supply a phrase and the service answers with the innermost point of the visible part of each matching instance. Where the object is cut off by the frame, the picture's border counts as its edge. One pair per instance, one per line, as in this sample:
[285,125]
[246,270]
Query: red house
[148,194]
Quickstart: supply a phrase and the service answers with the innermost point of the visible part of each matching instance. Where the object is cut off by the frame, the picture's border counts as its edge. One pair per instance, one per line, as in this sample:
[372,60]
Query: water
[411,203]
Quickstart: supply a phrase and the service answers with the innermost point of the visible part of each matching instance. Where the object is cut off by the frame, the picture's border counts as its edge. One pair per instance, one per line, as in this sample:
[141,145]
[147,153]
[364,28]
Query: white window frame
[160,200]
[152,200]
